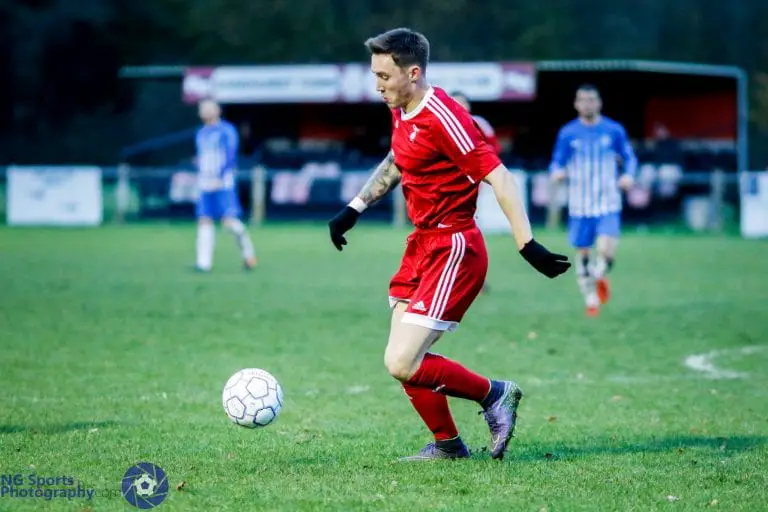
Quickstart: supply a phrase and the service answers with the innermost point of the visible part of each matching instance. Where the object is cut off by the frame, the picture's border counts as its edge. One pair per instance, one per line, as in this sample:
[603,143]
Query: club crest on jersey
[605,141]
[576,144]
[413,134]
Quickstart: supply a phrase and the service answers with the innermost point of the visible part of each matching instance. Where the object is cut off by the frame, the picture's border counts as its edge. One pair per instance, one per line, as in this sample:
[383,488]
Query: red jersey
[442,156]
[489,132]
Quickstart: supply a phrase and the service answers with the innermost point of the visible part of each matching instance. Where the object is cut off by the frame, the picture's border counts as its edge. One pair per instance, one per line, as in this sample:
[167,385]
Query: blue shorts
[583,231]
[219,203]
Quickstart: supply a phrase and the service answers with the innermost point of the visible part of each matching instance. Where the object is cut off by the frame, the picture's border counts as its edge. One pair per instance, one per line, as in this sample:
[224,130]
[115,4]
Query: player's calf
[606,248]
[587,283]
[603,265]
[206,235]
[238,229]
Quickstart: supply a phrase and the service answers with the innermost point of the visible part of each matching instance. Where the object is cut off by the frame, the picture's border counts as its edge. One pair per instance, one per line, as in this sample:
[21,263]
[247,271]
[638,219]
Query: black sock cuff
[450,445]
[497,389]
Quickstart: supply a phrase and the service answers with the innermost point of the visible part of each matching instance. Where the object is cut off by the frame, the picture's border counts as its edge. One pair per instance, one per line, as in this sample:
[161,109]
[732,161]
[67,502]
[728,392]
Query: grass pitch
[114,352]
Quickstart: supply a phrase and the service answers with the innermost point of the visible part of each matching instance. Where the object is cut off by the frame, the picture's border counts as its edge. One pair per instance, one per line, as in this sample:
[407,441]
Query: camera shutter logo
[145,485]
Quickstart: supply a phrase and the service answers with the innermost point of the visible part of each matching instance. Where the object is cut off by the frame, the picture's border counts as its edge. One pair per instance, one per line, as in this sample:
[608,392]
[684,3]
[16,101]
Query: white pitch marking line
[703,363]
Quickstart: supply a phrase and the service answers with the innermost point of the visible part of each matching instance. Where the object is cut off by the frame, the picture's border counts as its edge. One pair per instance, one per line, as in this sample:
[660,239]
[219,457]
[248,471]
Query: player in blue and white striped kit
[217,144]
[587,154]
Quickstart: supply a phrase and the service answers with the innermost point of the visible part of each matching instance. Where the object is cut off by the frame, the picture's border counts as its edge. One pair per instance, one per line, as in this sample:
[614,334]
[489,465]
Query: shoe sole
[517,395]
[420,458]
[416,458]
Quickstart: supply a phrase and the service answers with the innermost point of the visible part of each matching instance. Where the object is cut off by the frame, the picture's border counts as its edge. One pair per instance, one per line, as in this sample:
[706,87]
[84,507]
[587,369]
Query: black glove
[549,264]
[341,223]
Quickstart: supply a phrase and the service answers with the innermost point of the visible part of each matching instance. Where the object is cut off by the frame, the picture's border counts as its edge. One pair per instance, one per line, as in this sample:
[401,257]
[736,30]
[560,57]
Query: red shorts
[439,277]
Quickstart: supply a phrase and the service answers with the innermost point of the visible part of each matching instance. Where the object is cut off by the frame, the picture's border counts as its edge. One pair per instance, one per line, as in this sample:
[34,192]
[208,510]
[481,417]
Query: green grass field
[113,353]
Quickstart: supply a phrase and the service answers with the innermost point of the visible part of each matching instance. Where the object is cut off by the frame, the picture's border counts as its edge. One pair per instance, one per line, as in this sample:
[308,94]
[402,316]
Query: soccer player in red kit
[482,123]
[439,157]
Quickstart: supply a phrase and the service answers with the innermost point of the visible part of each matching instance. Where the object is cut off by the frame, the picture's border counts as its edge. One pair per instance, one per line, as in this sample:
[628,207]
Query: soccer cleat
[249,264]
[501,416]
[593,311]
[201,270]
[603,290]
[433,452]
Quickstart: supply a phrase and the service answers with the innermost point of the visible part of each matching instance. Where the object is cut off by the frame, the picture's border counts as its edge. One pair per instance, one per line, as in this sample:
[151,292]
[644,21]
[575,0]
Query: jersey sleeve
[231,145]
[561,154]
[459,138]
[624,148]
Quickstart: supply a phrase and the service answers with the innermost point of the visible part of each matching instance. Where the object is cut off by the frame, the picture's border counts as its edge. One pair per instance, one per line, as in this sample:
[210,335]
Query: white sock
[243,239]
[588,291]
[600,267]
[205,243]
[586,282]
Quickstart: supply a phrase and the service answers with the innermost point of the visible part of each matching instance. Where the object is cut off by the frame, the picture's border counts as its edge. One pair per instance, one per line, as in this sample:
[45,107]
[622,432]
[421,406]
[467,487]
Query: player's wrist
[524,244]
[529,248]
[358,204]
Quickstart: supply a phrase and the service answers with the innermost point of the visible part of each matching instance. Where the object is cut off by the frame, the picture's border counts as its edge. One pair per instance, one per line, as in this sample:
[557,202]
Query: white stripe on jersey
[212,151]
[592,188]
[451,124]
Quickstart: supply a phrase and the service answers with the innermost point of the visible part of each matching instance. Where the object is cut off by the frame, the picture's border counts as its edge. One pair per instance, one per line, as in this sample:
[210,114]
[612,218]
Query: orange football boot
[603,290]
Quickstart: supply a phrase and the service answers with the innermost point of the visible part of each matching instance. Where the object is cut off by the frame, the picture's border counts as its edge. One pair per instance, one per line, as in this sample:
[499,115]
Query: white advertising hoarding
[490,217]
[54,196]
[754,205]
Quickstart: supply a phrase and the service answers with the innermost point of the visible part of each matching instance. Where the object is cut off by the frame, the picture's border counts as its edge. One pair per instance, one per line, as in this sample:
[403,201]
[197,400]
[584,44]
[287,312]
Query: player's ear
[414,73]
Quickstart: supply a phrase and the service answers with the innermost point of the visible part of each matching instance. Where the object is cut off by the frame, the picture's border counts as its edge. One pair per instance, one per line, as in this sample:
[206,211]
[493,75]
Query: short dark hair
[407,47]
[588,88]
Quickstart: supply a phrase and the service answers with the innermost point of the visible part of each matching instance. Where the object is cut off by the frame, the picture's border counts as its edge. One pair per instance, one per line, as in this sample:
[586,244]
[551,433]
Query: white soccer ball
[145,485]
[252,398]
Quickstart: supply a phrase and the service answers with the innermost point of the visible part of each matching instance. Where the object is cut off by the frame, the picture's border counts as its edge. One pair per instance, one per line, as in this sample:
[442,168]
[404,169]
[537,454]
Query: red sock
[449,377]
[433,409]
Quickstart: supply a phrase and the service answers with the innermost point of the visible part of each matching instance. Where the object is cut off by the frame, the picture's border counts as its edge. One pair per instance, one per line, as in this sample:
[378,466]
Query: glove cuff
[358,205]
[529,247]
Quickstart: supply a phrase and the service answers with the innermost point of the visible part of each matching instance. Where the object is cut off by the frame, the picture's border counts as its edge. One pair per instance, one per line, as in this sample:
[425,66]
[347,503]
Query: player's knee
[399,366]
[234,225]
[204,221]
[606,246]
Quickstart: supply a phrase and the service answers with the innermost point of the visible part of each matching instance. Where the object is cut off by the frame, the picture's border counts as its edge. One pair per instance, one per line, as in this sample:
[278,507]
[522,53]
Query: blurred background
[112,85]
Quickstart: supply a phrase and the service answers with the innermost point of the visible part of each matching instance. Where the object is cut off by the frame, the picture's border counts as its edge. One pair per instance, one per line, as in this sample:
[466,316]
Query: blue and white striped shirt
[216,156]
[590,156]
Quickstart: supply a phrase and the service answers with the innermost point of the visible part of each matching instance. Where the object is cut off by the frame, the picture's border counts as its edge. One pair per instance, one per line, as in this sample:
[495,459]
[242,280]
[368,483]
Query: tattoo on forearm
[384,178]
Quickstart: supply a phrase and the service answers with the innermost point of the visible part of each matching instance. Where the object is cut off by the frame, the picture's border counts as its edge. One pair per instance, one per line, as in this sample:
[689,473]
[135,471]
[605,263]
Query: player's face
[393,82]
[588,104]
[208,111]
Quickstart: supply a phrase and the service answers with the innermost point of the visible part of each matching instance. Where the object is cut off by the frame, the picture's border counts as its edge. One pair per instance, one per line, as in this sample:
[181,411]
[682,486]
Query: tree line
[61,98]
